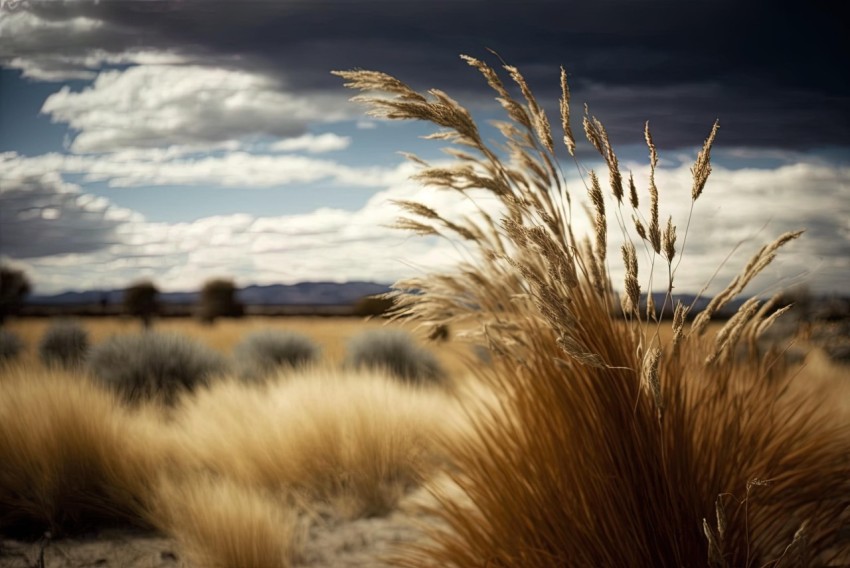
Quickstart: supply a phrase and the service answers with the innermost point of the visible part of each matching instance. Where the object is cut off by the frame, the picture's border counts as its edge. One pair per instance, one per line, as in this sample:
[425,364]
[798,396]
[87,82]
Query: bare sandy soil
[328,541]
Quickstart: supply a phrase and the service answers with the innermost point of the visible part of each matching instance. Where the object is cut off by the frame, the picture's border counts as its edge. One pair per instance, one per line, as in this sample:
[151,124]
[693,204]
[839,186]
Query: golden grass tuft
[358,441]
[221,524]
[70,457]
[608,447]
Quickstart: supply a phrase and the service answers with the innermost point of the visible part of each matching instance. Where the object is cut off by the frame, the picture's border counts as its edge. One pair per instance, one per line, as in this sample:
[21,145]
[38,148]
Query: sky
[180,140]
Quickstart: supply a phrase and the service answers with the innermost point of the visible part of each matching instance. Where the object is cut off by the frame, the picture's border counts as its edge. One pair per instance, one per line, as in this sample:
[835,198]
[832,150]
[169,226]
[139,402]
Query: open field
[585,434]
[330,333]
[310,515]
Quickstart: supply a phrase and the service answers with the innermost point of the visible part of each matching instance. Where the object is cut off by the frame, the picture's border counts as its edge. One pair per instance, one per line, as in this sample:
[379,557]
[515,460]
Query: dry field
[330,333]
[585,439]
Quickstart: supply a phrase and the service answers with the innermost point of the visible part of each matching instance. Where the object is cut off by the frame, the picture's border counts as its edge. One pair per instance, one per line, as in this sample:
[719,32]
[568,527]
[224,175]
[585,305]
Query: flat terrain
[325,537]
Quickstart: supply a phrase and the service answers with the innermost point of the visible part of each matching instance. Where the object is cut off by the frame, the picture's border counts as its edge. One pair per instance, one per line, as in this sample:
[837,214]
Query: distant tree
[14,287]
[218,299]
[373,306]
[140,301]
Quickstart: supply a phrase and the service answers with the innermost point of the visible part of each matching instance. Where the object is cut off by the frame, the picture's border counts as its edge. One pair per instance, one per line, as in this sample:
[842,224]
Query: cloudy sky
[184,139]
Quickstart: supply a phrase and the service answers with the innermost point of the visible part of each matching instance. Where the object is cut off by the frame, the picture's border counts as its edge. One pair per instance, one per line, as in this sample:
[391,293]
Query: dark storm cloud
[773,73]
[42,216]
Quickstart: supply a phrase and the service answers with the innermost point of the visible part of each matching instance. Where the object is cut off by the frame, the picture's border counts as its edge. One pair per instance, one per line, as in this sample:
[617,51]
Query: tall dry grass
[609,446]
[221,524]
[357,441]
[70,458]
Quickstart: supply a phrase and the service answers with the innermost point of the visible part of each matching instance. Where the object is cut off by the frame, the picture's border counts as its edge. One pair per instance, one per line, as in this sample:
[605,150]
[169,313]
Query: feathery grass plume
[11,345]
[154,366]
[633,196]
[598,136]
[71,459]
[65,343]
[573,465]
[654,228]
[757,263]
[632,286]
[702,167]
[569,139]
[357,441]
[264,352]
[396,352]
[221,524]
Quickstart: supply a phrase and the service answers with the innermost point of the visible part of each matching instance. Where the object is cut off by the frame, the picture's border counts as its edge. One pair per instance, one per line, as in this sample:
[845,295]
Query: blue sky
[182,140]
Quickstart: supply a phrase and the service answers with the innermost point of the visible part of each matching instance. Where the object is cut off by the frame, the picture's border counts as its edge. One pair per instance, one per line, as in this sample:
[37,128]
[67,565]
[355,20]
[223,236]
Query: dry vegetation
[594,437]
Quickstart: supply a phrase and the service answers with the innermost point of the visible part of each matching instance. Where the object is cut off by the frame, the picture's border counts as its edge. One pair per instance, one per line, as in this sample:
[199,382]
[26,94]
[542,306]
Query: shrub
[140,301]
[218,299]
[396,352]
[65,343]
[154,366]
[11,345]
[263,352]
[607,447]
[14,287]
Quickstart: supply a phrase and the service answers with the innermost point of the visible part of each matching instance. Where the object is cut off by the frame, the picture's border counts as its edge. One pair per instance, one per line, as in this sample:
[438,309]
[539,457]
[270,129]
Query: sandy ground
[329,542]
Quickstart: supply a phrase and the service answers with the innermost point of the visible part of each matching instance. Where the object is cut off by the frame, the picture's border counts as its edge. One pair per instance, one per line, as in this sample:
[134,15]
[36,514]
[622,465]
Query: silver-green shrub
[263,352]
[64,344]
[154,366]
[10,346]
[396,352]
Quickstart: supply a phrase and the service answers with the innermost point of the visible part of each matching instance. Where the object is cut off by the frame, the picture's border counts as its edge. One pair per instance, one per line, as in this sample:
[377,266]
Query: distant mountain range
[303,293]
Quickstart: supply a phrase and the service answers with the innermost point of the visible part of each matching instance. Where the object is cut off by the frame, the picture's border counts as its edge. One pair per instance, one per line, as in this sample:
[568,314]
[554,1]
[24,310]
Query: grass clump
[71,460]
[65,343]
[263,352]
[397,353]
[154,366]
[221,524]
[11,346]
[355,441]
[608,446]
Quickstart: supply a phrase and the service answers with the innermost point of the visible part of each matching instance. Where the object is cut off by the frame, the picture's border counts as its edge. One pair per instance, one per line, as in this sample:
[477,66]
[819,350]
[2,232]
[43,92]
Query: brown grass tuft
[220,524]
[71,459]
[608,448]
[357,441]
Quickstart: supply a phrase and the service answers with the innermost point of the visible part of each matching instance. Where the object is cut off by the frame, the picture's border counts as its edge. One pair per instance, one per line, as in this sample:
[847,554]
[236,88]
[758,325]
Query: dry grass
[71,458]
[220,524]
[357,441]
[609,447]
[228,471]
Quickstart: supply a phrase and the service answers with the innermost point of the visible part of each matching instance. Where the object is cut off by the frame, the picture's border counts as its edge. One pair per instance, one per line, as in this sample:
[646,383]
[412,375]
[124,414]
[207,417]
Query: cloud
[43,216]
[312,143]
[113,246]
[233,169]
[611,49]
[148,106]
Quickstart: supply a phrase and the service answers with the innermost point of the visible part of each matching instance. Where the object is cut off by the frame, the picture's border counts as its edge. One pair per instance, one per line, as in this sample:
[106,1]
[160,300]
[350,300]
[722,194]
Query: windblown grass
[70,458]
[609,446]
[220,524]
[356,441]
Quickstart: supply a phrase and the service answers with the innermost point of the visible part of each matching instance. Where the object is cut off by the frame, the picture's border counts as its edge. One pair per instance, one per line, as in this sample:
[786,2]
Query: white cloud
[112,246]
[149,106]
[234,169]
[313,143]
